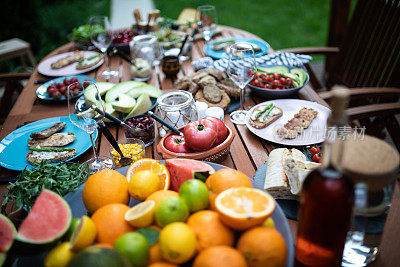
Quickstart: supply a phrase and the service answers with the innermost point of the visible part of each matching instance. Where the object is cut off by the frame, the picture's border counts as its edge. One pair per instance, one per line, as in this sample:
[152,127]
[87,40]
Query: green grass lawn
[282,23]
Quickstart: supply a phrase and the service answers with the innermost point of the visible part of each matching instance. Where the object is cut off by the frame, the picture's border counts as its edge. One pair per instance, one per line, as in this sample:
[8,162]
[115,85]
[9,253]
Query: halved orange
[153,166]
[241,207]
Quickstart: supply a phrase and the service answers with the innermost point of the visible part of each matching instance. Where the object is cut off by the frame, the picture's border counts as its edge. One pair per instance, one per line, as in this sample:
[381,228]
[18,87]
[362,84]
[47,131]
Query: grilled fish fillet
[65,61]
[35,157]
[49,131]
[57,139]
[296,125]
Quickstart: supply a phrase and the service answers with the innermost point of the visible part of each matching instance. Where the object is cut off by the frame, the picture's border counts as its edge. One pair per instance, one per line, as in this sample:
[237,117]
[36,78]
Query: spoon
[124,160]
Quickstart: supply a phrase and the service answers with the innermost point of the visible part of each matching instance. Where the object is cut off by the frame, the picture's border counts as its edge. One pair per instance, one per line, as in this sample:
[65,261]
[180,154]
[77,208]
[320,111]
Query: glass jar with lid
[177,108]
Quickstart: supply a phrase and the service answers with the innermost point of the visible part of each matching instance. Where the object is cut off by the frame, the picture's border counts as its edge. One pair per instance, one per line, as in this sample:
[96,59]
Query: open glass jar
[177,108]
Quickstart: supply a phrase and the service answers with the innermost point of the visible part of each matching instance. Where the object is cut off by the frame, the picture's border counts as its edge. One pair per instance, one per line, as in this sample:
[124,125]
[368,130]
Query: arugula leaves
[61,179]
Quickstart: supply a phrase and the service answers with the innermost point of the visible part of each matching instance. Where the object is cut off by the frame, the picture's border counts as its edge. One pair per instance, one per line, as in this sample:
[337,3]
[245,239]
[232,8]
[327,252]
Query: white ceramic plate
[45,66]
[315,133]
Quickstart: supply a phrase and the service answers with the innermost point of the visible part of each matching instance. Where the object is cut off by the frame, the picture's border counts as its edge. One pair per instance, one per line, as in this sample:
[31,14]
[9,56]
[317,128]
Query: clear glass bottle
[327,199]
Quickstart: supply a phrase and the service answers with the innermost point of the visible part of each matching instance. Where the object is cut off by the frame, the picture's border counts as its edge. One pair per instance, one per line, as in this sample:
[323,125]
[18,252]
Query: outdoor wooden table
[248,152]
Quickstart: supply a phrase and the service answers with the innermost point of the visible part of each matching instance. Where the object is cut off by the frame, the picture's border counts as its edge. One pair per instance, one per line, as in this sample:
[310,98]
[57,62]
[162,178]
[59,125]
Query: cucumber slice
[277,69]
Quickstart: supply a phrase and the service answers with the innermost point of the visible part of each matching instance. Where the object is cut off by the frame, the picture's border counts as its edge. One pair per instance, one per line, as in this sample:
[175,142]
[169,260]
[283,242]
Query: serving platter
[314,134]
[222,54]
[14,147]
[41,92]
[45,66]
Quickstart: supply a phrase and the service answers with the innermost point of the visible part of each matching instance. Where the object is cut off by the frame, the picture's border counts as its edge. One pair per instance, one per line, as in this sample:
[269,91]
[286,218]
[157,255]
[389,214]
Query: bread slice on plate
[36,157]
[296,171]
[276,181]
[264,115]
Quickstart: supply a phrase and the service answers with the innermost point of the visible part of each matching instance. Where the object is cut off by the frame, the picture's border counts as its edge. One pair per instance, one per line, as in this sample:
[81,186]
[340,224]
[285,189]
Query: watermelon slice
[7,233]
[181,170]
[45,224]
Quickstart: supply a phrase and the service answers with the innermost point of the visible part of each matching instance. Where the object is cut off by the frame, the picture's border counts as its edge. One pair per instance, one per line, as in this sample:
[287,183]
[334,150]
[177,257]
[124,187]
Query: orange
[159,195]
[110,223]
[105,187]
[221,256]
[241,207]
[153,166]
[162,264]
[155,253]
[225,179]
[273,251]
[209,230]
[103,245]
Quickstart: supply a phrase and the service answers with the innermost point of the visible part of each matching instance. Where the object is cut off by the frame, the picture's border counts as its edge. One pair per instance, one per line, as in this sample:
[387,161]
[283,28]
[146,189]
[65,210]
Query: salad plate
[209,51]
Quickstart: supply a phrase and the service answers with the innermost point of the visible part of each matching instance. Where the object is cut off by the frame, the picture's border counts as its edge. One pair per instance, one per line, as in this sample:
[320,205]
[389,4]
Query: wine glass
[101,36]
[207,20]
[241,66]
[87,119]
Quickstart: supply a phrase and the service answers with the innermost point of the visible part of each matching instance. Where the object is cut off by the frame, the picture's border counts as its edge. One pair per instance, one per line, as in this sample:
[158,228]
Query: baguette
[48,131]
[296,171]
[68,60]
[35,157]
[264,115]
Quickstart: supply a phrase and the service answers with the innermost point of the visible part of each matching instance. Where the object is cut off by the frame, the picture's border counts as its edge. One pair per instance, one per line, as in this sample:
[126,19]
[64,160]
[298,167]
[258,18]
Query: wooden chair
[367,60]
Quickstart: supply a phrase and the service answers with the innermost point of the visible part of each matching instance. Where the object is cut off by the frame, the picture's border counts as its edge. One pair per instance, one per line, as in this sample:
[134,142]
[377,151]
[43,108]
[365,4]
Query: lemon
[143,184]
[134,247]
[269,223]
[177,243]
[74,223]
[84,234]
[59,256]
[171,209]
[142,214]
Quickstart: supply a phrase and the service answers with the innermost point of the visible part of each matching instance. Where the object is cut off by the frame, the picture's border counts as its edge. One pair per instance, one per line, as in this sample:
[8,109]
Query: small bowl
[216,154]
[271,93]
[170,65]
[136,156]
[146,134]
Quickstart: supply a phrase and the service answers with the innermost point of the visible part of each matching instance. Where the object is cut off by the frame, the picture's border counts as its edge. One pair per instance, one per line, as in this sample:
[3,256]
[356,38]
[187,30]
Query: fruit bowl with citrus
[219,222]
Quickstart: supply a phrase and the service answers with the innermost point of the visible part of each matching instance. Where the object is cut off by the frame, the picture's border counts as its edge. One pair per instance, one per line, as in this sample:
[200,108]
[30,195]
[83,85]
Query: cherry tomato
[267,86]
[315,150]
[317,158]
[276,76]
[62,90]
[59,85]
[56,95]
[282,81]
[256,83]
[268,78]
[51,90]
[275,82]
[73,80]
[85,84]
[66,82]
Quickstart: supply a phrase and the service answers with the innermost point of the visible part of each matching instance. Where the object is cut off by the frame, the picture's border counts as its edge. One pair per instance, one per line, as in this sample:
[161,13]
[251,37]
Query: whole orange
[105,187]
[225,179]
[221,256]
[162,264]
[263,246]
[110,222]
[209,230]
[159,195]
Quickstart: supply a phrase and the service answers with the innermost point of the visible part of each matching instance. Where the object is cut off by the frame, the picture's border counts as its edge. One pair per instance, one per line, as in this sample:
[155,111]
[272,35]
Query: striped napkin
[277,58]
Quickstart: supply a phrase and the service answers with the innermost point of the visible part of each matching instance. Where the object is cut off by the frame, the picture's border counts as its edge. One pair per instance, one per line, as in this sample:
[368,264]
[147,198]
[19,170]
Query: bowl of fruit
[276,81]
[208,139]
[56,89]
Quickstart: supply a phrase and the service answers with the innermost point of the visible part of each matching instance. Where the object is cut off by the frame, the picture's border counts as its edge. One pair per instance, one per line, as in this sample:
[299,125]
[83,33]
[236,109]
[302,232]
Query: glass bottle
[327,198]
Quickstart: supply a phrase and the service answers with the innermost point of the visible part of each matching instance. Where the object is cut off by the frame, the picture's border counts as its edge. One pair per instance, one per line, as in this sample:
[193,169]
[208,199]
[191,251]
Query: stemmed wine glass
[87,119]
[241,66]
[207,20]
[101,36]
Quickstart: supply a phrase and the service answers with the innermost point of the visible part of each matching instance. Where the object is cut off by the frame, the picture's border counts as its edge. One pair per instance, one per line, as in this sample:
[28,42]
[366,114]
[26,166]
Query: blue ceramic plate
[14,147]
[41,92]
[221,54]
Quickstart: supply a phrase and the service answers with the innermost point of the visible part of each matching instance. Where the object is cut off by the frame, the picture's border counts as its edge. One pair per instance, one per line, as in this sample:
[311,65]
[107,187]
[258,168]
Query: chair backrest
[370,51]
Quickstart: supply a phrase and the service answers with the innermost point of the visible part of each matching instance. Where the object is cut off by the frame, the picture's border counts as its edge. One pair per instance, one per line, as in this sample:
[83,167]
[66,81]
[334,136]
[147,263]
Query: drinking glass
[87,119]
[207,20]
[241,61]
[101,36]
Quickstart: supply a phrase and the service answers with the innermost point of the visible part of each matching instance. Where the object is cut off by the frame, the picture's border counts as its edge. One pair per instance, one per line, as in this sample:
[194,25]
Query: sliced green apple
[124,103]
[143,103]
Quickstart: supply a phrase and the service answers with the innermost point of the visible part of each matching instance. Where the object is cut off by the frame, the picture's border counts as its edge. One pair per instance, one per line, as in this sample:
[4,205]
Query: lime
[142,214]
[59,256]
[195,194]
[269,223]
[143,184]
[71,229]
[171,209]
[134,247]
[84,234]
[177,243]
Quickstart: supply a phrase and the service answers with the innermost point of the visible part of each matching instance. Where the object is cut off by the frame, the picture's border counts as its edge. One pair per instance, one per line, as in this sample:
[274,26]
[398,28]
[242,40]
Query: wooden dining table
[247,152]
